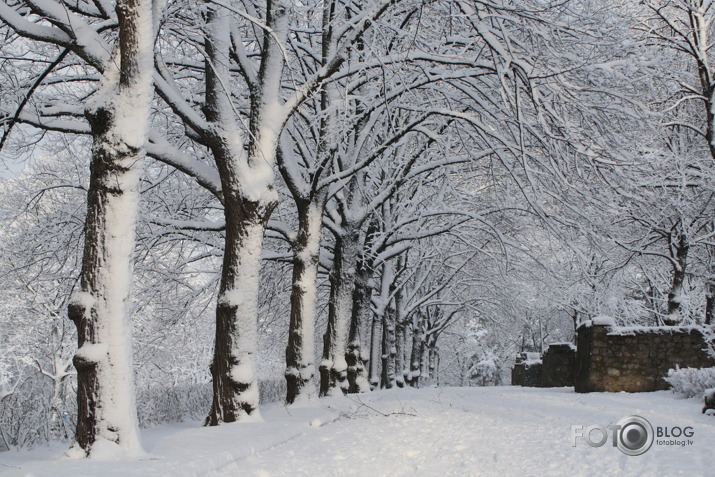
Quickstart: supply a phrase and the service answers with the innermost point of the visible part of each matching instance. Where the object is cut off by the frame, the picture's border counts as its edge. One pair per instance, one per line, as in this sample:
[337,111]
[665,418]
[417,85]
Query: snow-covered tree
[118,114]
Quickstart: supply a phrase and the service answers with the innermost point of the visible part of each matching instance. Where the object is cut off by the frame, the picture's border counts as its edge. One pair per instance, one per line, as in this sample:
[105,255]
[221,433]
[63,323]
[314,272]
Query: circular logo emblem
[635,435]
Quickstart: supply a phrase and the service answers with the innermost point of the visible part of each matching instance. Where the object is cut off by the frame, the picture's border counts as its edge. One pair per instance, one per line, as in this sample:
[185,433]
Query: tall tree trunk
[357,375]
[679,252]
[424,379]
[249,200]
[375,351]
[651,300]
[400,354]
[118,115]
[358,378]
[235,385]
[700,42]
[433,363]
[388,348]
[416,350]
[710,281]
[710,302]
[399,345]
[389,315]
[333,368]
[300,367]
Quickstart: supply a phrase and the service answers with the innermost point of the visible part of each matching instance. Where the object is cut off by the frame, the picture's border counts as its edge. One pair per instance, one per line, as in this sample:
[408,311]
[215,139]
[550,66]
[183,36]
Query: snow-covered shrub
[691,382]
[164,403]
[31,415]
[486,369]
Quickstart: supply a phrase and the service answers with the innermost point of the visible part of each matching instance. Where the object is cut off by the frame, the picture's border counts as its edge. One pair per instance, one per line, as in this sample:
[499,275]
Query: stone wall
[559,365]
[527,370]
[554,369]
[636,359]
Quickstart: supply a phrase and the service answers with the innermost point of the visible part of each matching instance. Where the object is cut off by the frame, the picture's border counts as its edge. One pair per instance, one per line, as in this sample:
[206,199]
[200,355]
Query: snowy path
[436,432]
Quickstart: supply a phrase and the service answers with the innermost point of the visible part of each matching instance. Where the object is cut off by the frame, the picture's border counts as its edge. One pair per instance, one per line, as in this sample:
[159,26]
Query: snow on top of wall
[600,320]
[634,330]
[603,320]
[531,362]
[529,358]
[563,343]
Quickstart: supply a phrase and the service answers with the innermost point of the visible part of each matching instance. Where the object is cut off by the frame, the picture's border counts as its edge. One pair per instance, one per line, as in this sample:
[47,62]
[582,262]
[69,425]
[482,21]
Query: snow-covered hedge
[164,403]
[691,382]
[31,416]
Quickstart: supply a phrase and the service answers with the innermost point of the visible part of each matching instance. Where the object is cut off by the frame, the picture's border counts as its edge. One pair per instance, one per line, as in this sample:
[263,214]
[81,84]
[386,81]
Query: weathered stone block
[635,360]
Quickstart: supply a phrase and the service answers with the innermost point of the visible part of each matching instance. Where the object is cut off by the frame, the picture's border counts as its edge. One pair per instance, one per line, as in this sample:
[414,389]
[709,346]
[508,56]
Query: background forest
[426,188]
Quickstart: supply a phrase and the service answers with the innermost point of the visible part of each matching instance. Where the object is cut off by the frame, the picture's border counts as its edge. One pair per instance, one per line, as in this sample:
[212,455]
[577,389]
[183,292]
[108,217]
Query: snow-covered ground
[501,431]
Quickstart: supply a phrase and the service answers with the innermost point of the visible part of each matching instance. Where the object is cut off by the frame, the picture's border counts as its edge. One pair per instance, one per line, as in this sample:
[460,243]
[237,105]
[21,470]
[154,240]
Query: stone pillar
[527,371]
[559,363]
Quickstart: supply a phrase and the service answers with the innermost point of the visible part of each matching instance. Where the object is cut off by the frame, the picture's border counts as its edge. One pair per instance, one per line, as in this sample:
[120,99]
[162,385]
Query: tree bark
[358,378]
[399,343]
[118,115]
[416,352]
[709,302]
[375,340]
[388,348]
[333,369]
[300,367]
[680,248]
[249,200]
[433,363]
[700,44]
[424,378]
[235,385]
[400,355]
[356,373]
